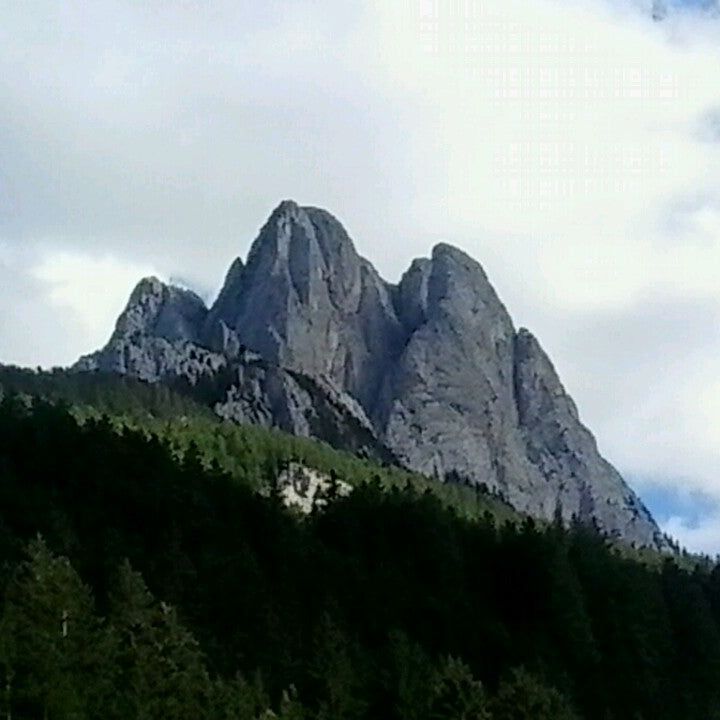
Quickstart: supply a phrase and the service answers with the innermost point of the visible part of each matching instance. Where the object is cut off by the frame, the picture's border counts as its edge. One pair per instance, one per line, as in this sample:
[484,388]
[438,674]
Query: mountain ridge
[432,366]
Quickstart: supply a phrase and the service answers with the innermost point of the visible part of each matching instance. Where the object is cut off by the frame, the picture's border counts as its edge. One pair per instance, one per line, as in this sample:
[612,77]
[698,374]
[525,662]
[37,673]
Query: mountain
[306,336]
[158,338]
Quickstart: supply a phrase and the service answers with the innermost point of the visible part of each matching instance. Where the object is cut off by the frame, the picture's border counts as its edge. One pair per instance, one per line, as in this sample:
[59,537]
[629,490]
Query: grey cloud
[167,134]
[31,331]
[653,329]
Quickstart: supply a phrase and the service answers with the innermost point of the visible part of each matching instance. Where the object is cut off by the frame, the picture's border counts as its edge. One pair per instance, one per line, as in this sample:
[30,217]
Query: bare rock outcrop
[305,488]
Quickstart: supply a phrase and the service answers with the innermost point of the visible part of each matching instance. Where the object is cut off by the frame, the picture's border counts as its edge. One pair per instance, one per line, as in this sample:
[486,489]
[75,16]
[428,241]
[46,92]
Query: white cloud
[93,289]
[59,304]
[567,125]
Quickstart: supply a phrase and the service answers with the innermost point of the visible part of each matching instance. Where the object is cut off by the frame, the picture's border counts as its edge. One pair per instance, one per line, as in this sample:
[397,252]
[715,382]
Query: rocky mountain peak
[162,310]
[150,285]
[275,235]
[311,248]
[458,280]
[153,334]
[432,367]
[412,294]
[306,300]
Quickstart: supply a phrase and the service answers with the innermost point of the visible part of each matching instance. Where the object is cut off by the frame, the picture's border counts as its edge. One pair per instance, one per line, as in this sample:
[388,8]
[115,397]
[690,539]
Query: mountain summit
[305,335]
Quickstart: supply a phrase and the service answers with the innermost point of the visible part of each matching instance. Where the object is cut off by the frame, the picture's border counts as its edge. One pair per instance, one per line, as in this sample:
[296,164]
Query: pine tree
[337,675]
[457,695]
[237,699]
[290,706]
[523,697]
[413,673]
[163,669]
[54,648]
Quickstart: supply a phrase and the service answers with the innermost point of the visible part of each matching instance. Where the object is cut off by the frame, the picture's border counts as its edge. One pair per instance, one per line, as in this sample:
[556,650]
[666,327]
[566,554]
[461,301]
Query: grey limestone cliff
[306,300]
[157,338]
[311,339]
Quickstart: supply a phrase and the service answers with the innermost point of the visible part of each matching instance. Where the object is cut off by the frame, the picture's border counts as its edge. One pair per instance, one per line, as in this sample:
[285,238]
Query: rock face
[308,337]
[448,399]
[306,300]
[157,338]
[565,452]
[261,393]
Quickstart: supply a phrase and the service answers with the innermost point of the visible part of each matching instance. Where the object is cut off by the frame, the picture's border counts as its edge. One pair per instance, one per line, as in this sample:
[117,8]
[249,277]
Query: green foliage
[107,393]
[290,707]
[457,695]
[413,674]
[251,454]
[160,663]
[389,603]
[237,699]
[52,643]
[523,697]
[336,674]
[63,661]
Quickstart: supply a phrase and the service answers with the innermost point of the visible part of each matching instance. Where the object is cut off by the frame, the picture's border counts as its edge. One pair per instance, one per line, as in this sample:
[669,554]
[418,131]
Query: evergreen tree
[523,697]
[312,601]
[290,707]
[163,670]
[54,649]
[336,674]
[237,699]
[413,675]
[457,695]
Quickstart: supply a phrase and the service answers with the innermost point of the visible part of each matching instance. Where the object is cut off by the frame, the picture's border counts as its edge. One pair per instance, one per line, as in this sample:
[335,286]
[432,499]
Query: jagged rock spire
[306,300]
[162,310]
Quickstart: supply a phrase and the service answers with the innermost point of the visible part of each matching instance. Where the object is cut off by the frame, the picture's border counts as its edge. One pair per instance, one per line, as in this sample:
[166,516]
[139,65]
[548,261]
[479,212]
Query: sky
[571,146]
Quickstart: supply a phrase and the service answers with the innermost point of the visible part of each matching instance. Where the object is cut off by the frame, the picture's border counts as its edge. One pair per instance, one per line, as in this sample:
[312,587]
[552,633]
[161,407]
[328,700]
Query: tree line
[387,603]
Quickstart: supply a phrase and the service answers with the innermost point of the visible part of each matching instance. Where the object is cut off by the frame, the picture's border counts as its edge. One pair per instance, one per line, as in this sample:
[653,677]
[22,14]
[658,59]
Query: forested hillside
[180,419]
[168,586]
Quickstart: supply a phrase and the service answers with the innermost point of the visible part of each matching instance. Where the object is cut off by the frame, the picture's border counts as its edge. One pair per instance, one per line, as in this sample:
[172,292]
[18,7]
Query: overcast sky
[571,146]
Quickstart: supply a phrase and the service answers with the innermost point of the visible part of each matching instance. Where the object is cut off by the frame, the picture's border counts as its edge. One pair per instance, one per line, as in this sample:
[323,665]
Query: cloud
[691,517]
[701,536]
[581,139]
[170,130]
[90,289]
[572,147]
[56,305]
